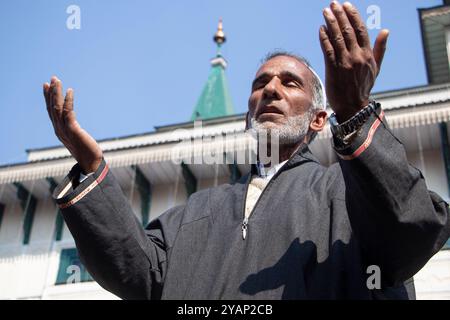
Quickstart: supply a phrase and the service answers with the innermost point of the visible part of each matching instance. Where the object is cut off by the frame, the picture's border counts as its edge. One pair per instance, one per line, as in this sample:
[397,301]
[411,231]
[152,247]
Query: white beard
[294,130]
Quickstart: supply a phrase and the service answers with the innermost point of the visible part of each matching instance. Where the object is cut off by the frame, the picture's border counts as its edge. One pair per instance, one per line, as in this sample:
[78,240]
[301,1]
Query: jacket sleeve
[398,222]
[122,256]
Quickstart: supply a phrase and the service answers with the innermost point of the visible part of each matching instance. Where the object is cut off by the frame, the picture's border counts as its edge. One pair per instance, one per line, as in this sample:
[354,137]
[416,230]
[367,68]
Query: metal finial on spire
[219,37]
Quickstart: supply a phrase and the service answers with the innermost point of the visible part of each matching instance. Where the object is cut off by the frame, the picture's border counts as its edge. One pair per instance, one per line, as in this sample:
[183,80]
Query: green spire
[215,100]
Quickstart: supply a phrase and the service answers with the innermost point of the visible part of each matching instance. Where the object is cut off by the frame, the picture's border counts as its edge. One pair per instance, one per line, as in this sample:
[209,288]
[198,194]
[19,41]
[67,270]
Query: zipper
[245,221]
[244,228]
[244,224]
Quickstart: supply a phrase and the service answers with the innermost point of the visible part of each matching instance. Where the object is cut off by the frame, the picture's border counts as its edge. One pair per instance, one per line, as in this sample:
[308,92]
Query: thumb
[380,48]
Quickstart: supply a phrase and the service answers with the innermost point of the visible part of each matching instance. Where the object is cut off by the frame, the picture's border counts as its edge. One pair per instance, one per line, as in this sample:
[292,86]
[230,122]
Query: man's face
[281,90]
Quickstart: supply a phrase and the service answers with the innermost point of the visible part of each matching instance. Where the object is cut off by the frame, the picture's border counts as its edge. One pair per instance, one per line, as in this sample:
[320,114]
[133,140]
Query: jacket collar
[302,155]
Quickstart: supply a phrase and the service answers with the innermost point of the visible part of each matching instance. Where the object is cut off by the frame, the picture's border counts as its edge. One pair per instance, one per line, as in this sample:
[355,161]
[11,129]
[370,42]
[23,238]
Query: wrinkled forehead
[280,64]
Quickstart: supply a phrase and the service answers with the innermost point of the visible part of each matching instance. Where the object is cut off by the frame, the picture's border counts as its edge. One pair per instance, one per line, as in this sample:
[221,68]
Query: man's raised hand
[80,144]
[351,65]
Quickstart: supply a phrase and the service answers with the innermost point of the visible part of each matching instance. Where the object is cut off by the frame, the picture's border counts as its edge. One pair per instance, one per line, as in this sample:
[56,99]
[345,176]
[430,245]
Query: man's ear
[247,121]
[319,121]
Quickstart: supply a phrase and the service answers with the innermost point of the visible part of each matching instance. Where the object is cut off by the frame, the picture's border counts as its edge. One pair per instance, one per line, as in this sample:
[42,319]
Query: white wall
[11,228]
[30,271]
[433,281]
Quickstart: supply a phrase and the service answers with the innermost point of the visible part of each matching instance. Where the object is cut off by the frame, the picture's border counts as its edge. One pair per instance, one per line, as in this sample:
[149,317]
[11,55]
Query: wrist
[90,167]
[343,129]
[346,113]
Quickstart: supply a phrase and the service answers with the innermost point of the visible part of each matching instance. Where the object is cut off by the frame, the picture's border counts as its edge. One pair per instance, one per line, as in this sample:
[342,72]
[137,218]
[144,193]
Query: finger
[51,109]
[51,89]
[334,33]
[345,26]
[68,100]
[58,99]
[358,25]
[380,47]
[327,47]
[68,104]
[46,88]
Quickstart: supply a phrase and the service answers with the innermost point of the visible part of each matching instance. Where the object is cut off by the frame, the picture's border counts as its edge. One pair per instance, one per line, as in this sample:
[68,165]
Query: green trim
[69,257]
[2,210]
[59,223]
[190,181]
[145,191]
[59,226]
[447,245]
[28,221]
[28,203]
[53,184]
[445,150]
[235,173]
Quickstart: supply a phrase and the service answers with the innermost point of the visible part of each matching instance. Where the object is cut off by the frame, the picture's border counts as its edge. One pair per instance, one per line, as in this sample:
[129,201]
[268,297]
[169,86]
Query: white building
[38,259]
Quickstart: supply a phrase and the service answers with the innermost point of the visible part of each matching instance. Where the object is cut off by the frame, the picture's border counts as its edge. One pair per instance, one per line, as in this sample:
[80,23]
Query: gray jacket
[312,234]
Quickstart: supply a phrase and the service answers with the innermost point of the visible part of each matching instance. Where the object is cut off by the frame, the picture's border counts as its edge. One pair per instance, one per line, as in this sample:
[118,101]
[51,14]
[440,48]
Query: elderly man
[289,230]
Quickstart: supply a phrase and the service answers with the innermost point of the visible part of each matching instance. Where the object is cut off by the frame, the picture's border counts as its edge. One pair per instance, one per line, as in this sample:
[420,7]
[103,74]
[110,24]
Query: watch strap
[354,123]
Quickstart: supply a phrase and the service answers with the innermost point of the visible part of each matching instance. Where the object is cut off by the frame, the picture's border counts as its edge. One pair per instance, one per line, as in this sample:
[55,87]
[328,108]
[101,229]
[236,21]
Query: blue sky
[138,64]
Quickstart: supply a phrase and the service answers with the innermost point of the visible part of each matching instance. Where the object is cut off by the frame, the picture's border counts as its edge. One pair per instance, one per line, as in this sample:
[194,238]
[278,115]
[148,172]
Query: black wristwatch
[354,123]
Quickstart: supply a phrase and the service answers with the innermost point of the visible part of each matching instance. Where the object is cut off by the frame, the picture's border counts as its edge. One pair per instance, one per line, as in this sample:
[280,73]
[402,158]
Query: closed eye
[258,85]
[292,84]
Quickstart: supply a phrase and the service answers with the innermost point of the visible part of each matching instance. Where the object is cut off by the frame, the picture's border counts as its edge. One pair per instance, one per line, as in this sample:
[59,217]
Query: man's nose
[271,89]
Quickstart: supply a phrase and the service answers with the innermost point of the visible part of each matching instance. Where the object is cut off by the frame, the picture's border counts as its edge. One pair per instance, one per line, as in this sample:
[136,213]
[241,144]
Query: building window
[71,270]
[28,202]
